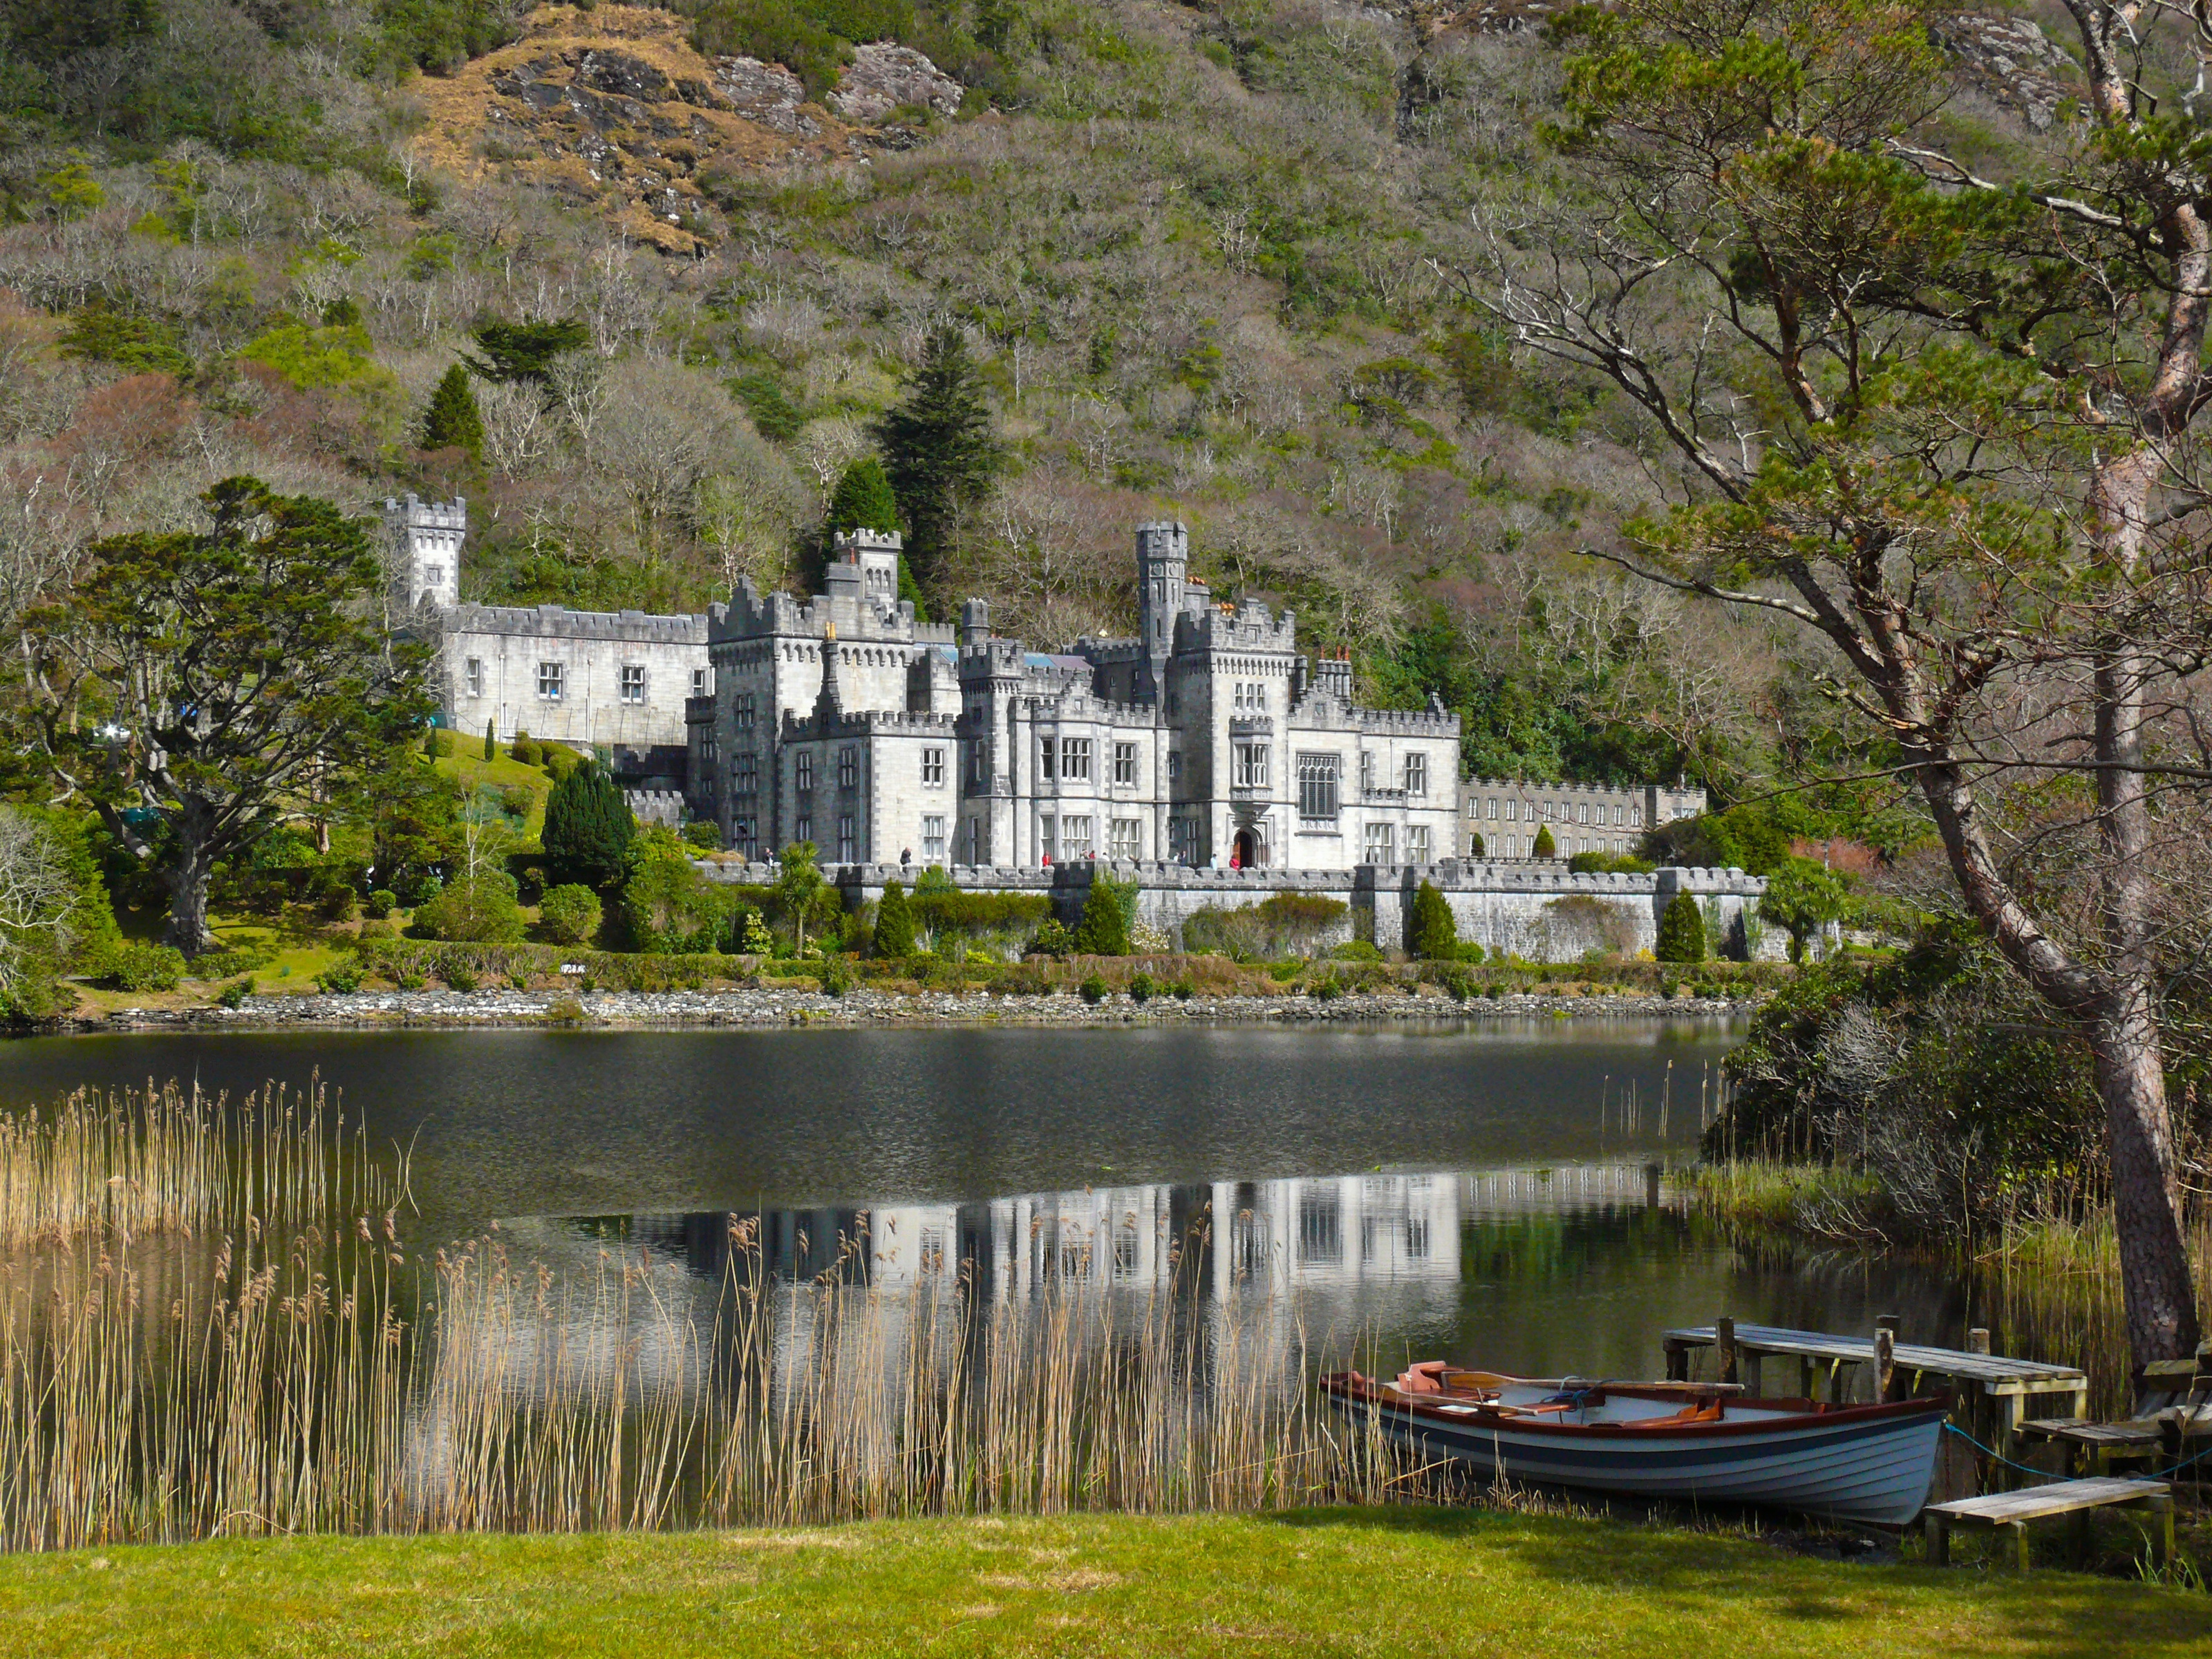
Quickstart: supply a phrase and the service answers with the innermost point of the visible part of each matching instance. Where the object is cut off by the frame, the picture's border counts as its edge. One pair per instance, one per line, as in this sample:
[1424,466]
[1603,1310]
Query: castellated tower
[1163,568]
[426,550]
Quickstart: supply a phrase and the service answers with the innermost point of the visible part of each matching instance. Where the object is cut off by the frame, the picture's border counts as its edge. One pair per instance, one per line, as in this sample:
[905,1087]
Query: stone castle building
[1206,740]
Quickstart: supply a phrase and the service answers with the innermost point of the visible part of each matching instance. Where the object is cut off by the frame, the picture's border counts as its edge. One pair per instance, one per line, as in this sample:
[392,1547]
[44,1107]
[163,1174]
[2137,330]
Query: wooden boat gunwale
[1354,1385]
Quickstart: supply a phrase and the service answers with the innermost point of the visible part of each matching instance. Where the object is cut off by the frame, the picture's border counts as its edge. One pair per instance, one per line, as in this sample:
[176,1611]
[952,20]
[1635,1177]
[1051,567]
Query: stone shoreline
[763,1009]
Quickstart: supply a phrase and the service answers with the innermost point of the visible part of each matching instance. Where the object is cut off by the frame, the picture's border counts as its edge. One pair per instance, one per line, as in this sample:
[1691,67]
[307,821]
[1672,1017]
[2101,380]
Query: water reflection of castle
[1330,1234]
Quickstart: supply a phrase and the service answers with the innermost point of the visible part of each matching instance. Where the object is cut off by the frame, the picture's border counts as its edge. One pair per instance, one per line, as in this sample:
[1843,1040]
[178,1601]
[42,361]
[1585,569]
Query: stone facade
[1540,912]
[1206,740]
[1505,814]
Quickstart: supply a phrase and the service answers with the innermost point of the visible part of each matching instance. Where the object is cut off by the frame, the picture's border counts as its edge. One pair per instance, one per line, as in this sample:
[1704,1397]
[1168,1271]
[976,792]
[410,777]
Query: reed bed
[239,1378]
[167,1160]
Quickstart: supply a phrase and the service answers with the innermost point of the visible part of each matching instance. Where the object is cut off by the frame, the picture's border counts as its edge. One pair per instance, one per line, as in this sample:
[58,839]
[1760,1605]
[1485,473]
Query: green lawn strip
[467,767]
[1399,1580]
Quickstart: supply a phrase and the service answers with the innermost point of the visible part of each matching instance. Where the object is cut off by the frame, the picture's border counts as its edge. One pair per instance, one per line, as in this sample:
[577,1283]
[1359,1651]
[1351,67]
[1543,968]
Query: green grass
[1408,1581]
[467,767]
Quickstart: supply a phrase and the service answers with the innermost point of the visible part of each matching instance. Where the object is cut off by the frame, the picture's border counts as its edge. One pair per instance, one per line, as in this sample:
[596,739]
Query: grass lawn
[1397,1580]
[467,767]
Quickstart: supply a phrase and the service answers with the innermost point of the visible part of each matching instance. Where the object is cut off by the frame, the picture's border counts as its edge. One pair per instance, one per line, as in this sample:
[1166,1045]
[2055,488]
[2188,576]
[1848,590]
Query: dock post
[1939,1540]
[1977,1339]
[1724,1346]
[1678,1361]
[1884,1357]
[2161,1529]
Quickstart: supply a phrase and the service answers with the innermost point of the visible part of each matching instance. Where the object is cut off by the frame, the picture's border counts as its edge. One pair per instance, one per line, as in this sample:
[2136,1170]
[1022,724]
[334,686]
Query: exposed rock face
[883,77]
[2011,60]
[614,108]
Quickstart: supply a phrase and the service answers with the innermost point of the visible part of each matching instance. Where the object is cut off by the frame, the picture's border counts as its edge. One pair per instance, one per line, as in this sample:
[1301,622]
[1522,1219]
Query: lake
[1492,1193]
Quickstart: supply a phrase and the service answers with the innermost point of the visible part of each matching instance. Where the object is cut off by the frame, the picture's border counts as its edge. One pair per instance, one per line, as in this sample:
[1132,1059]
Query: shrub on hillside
[145,967]
[1607,864]
[1103,930]
[894,923]
[1436,933]
[1544,847]
[480,910]
[569,915]
[588,828]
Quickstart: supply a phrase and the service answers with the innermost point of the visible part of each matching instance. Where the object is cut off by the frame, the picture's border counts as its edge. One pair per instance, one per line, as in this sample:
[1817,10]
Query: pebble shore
[374,1009]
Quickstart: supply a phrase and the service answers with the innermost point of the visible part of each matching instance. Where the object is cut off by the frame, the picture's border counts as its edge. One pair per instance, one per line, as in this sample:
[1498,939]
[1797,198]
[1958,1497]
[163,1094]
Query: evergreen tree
[938,446]
[526,351]
[491,739]
[1682,931]
[1544,847]
[589,827]
[863,499]
[894,923]
[1436,934]
[1475,848]
[1103,930]
[452,420]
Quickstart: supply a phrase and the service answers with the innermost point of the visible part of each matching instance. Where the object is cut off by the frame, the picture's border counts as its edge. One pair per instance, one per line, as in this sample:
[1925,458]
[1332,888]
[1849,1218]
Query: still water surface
[1477,1194]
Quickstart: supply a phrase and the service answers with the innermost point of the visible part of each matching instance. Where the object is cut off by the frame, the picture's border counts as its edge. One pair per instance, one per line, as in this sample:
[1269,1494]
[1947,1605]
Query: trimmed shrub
[491,739]
[1682,931]
[1356,949]
[569,915]
[703,834]
[1143,987]
[1103,930]
[1476,848]
[341,977]
[478,910]
[588,828]
[1095,990]
[1544,847]
[234,995]
[525,750]
[146,968]
[1607,863]
[1435,933]
[894,923]
[381,904]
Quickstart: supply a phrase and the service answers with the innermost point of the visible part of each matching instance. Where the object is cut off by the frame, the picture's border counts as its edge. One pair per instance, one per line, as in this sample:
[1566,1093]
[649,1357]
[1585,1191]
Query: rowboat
[1690,1442]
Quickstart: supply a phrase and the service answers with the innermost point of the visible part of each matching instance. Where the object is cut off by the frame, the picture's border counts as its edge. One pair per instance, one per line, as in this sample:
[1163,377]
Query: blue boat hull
[1873,1465]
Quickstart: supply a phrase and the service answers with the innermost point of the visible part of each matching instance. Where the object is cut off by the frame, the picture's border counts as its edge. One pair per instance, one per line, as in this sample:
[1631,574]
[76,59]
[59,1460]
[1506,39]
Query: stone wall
[1542,912]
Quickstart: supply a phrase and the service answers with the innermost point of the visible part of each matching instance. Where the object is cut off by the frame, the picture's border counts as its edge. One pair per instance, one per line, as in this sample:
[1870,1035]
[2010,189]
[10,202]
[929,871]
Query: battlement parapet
[555,621]
[1422,723]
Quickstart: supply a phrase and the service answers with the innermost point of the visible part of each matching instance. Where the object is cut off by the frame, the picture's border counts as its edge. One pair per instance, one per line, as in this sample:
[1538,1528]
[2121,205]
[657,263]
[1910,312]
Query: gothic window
[746,780]
[1509,807]
[848,767]
[1047,749]
[1251,766]
[1491,810]
[978,761]
[633,682]
[1049,833]
[1582,813]
[805,828]
[1378,848]
[743,838]
[1075,759]
[1123,839]
[933,767]
[933,837]
[1417,775]
[804,765]
[1125,762]
[741,711]
[473,675]
[1075,837]
[551,679]
[434,575]
[845,842]
[1417,843]
[1318,785]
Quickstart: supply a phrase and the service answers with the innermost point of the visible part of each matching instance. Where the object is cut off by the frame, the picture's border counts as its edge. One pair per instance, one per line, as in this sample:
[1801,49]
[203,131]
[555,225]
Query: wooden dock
[1993,1393]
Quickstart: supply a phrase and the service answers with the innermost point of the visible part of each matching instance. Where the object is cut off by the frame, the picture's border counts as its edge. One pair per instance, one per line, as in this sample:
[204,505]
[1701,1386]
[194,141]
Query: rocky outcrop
[613,107]
[882,78]
[2013,62]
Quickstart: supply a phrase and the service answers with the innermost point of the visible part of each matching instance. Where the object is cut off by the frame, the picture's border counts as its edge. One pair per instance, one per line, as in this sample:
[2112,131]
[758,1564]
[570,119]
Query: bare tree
[1947,422]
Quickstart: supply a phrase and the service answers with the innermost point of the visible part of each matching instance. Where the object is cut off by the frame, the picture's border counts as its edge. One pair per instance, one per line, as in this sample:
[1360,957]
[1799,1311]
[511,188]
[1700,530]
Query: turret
[426,550]
[1162,569]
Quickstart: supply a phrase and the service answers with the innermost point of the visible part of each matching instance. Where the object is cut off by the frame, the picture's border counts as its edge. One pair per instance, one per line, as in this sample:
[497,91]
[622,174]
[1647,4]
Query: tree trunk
[2154,1276]
[187,876]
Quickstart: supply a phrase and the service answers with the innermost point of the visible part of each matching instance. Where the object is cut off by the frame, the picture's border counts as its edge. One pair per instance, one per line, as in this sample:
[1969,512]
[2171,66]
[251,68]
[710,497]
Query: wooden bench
[2071,1499]
[2172,1406]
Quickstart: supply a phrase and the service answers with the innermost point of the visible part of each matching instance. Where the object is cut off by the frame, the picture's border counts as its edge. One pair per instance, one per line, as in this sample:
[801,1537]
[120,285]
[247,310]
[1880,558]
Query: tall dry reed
[237,1377]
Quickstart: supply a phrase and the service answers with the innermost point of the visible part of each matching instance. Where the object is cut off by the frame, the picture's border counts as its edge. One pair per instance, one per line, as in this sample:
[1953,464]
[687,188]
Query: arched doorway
[1247,850]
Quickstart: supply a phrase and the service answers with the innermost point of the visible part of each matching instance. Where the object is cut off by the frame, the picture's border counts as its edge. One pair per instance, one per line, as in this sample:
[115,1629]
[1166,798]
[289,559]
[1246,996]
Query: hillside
[1210,256]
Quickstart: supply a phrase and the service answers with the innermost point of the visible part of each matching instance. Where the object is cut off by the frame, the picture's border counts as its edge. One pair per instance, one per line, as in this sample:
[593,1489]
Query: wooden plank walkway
[1997,1390]
[2073,1499]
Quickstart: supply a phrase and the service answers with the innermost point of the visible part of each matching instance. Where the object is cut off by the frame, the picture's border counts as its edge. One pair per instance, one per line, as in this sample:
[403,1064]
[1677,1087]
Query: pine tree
[452,420]
[938,446]
[894,923]
[1544,847]
[1682,931]
[1474,845]
[491,739]
[1436,934]
[589,827]
[1103,930]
